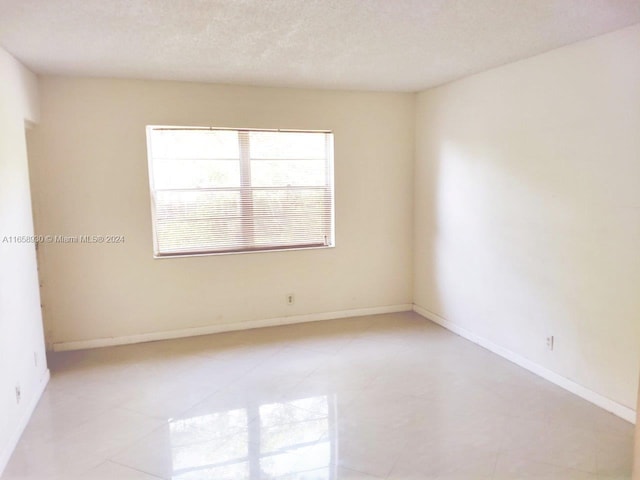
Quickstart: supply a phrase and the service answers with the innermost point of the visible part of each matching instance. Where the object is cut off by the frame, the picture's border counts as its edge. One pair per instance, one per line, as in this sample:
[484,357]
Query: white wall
[20,319]
[527,209]
[89,166]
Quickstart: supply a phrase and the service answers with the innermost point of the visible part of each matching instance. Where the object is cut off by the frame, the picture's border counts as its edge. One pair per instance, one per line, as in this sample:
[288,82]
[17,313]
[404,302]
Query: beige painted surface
[527,209]
[636,450]
[89,166]
[20,318]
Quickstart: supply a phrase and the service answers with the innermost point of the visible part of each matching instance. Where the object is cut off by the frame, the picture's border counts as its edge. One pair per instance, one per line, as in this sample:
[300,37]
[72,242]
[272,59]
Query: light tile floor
[379,397]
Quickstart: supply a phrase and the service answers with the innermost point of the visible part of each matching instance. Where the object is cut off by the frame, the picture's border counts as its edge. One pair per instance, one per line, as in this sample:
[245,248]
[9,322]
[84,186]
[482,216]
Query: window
[216,190]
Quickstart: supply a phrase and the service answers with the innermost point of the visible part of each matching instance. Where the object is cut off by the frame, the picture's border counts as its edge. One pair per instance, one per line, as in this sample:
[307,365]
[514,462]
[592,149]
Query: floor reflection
[293,439]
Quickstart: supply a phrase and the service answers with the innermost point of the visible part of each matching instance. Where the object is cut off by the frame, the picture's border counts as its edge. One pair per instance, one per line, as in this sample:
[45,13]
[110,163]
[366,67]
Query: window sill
[209,254]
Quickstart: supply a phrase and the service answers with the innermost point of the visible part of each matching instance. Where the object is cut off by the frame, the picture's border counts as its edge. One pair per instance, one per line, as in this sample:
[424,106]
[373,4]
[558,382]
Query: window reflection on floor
[294,439]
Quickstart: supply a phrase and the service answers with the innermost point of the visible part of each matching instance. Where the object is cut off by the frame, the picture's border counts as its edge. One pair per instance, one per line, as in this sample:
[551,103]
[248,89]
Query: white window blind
[230,191]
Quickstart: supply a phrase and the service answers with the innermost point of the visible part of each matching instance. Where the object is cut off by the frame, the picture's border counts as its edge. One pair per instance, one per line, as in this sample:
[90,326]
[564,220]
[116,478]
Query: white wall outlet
[550,342]
[35,358]
[18,393]
[291,299]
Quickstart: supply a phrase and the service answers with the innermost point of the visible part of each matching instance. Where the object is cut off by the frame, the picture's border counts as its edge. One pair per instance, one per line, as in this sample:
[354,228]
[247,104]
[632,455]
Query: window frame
[245,189]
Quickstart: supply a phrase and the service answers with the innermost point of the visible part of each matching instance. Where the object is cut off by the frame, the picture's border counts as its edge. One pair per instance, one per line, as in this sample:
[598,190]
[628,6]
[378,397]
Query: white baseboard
[601,401]
[5,454]
[228,327]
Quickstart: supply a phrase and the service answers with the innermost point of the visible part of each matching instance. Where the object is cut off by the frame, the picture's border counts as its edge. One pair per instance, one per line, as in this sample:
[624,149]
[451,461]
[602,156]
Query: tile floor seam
[136,469]
[401,397]
[127,446]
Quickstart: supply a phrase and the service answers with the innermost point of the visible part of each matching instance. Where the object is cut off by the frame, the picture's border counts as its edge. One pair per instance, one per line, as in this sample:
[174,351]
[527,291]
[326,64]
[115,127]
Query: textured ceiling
[403,45]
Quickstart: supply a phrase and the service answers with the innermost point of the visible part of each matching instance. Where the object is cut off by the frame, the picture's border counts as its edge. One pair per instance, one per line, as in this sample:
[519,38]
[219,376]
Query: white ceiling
[402,45]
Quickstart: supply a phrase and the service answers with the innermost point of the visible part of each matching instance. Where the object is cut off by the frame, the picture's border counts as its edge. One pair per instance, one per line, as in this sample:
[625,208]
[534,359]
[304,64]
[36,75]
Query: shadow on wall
[527,213]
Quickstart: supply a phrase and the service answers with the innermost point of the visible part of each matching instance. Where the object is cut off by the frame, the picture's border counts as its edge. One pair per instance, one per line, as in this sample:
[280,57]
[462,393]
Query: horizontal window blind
[232,191]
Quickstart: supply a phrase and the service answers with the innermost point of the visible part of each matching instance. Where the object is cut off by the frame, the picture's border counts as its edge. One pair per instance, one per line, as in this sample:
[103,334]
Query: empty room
[319,239]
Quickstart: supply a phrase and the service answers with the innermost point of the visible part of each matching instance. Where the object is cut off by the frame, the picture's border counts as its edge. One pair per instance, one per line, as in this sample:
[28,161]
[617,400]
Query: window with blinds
[216,190]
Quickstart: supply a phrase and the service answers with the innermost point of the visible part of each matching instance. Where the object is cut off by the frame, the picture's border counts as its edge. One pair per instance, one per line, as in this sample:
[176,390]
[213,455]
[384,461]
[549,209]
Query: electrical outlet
[291,299]
[550,342]
[35,358]
[18,393]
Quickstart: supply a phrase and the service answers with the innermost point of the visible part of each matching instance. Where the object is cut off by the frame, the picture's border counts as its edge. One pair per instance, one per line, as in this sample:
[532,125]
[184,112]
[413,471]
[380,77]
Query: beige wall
[636,451]
[527,209]
[20,318]
[89,166]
